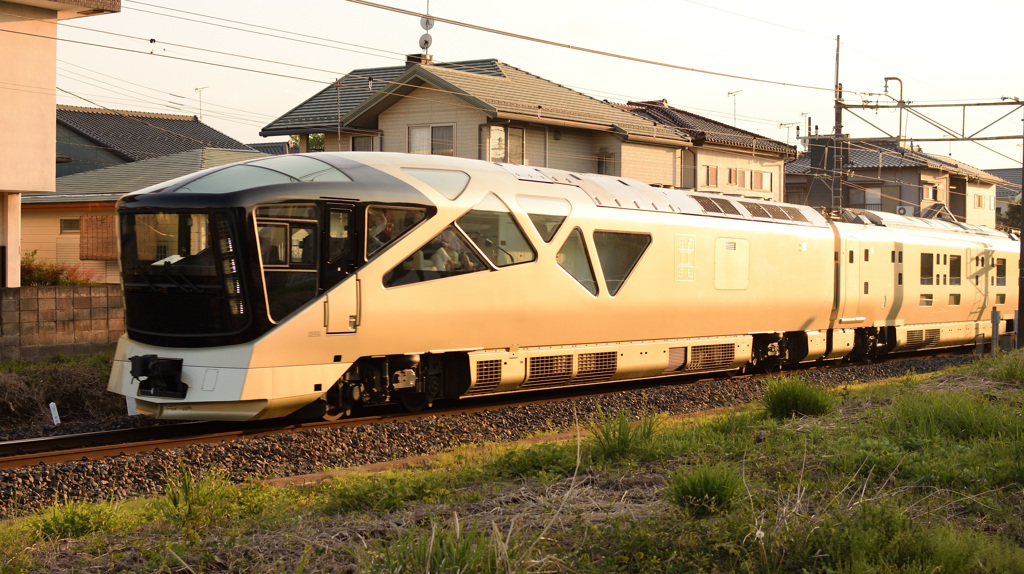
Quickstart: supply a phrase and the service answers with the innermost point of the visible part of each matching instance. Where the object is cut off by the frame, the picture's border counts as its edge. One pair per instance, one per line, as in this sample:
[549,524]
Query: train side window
[446,255]
[619,253]
[954,270]
[273,239]
[925,301]
[385,224]
[866,251]
[546,213]
[1000,272]
[492,228]
[851,256]
[927,269]
[894,256]
[339,233]
[899,279]
[447,182]
[575,260]
[900,257]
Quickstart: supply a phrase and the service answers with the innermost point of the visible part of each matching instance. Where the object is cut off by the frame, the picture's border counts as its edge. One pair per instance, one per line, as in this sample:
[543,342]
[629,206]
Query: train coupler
[158,377]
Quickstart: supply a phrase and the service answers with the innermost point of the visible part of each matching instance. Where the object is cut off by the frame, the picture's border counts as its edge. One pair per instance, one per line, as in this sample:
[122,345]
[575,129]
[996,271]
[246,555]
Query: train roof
[886,219]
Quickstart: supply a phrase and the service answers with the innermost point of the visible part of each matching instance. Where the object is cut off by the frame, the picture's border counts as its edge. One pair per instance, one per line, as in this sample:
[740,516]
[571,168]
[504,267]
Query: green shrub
[954,415]
[614,438]
[387,492]
[453,549]
[52,273]
[546,459]
[195,501]
[785,397]
[705,489]
[75,519]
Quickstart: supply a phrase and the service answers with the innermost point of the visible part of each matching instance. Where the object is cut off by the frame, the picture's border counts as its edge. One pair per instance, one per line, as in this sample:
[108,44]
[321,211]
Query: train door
[341,307]
[850,280]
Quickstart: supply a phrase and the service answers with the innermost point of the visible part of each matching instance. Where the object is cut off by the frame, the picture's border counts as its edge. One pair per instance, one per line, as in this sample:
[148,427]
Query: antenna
[426,23]
[733,96]
[200,90]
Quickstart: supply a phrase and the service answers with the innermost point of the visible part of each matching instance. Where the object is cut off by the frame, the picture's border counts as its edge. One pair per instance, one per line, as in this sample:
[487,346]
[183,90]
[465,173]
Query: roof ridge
[136,114]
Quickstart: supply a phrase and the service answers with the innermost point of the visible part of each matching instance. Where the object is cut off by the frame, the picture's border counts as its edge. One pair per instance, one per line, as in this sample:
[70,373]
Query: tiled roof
[321,112]
[138,135]
[873,153]
[705,129]
[110,183]
[271,148]
[504,91]
[1011,188]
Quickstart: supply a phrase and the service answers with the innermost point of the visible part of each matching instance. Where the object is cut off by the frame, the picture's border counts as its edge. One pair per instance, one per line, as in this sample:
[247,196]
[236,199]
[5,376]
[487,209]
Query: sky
[766,67]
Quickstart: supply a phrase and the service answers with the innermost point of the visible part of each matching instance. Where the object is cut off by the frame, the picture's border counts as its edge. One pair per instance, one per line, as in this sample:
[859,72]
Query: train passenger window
[385,224]
[894,256]
[954,300]
[865,287]
[925,301]
[573,257]
[1000,272]
[899,279]
[1000,298]
[619,254]
[302,168]
[447,182]
[900,257]
[546,213]
[339,233]
[866,251]
[446,255]
[496,234]
[927,269]
[851,256]
[954,270]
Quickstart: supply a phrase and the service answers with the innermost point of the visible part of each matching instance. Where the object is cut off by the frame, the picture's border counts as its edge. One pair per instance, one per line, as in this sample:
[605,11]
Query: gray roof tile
[139,135]
[705,129]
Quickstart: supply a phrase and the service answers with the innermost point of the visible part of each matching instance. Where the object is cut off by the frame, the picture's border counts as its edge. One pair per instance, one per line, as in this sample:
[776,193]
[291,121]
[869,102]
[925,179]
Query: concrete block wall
[41,322]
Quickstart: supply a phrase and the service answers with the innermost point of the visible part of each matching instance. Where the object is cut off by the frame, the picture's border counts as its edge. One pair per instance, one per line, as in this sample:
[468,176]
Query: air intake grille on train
[676,359]
[547,371]
[710,357]
[596,367]
[921,339]
[488,375]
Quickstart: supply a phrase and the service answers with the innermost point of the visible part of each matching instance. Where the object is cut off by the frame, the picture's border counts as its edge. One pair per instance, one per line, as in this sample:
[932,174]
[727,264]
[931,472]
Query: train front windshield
[181,276]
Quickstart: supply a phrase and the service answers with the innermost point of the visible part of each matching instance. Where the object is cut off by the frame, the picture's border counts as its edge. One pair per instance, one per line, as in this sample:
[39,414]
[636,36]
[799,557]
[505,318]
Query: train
[308,284]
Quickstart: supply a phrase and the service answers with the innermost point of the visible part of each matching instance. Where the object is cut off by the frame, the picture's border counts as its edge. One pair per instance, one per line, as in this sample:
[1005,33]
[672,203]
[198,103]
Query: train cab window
[384,224]
[546,213]
[288,236]
[575,260]
[447,182]
[446,255]
[1000,272]
[927,269]
[492,228]
[954,270]
[619,254]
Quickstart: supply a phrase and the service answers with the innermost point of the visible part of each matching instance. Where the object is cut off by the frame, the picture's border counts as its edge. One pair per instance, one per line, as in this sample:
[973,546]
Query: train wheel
[412,402]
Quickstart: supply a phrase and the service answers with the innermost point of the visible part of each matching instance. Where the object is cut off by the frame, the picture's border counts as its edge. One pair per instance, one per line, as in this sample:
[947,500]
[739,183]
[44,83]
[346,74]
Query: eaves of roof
[705,130]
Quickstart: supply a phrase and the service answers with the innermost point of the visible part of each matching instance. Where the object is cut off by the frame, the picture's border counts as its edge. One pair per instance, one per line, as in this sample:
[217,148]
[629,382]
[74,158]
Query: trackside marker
[130,402]
[54,414]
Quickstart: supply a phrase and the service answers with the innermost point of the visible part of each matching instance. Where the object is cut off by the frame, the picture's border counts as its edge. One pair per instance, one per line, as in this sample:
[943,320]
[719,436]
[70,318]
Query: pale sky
[943,52]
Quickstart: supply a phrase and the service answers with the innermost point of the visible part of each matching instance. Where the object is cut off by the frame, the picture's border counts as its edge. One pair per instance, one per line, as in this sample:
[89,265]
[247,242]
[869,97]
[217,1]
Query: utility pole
[837,134]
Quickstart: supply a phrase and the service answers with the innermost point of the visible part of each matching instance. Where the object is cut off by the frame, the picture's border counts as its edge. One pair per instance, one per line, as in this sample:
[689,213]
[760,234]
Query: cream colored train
[305,284]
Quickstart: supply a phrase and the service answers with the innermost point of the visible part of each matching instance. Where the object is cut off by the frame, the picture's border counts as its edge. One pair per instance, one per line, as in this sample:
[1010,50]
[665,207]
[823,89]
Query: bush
[618,438]
[705,489]
[52,273]
[785,397]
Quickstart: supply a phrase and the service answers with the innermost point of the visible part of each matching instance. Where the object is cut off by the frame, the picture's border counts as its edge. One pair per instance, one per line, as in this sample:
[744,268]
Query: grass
[918,475]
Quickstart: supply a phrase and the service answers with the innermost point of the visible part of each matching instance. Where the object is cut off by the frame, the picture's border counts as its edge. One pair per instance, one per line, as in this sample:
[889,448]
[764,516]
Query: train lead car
[305,284]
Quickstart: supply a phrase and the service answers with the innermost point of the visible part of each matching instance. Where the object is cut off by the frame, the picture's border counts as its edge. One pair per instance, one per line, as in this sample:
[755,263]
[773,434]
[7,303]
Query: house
[75,224]
[29,46]
[1007,192]
[724,159]
[883,174]
[489,110]
[94,138]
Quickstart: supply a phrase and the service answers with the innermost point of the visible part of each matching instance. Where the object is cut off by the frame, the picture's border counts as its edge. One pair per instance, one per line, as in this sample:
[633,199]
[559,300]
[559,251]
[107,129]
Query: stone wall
[43,322]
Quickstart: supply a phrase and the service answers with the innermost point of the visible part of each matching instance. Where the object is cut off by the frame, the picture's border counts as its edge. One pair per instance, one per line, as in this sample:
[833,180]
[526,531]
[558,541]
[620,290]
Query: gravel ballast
[25,490]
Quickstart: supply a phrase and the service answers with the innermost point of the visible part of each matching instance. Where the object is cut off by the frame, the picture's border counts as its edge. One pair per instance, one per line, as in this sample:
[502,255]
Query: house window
[70,225]
[606,164]
[762,181]
[979,201]
[432,140]
[711,175]
[737,177]
[505,144]
[362,143]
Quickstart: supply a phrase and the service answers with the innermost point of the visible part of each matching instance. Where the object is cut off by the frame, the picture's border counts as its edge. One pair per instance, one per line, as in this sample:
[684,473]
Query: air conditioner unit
[905,210]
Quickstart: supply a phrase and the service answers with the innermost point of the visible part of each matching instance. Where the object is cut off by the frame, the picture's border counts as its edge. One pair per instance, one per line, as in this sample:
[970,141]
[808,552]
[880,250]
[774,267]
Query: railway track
[104,444]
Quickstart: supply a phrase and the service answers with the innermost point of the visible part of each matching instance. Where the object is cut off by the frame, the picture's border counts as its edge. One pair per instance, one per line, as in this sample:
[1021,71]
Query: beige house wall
[655,165]
[694,164]
[40,232]
[431,108]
